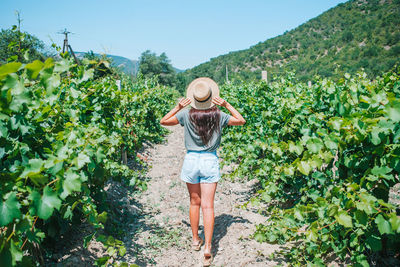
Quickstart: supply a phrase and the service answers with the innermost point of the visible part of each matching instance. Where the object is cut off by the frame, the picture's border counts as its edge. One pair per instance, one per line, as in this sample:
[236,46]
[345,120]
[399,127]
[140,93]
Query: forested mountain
[353,35]
[129,66]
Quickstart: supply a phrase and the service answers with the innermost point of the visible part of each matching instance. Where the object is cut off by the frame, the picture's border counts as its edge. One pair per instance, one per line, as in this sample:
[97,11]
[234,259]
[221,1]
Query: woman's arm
[237,118]
[170,119]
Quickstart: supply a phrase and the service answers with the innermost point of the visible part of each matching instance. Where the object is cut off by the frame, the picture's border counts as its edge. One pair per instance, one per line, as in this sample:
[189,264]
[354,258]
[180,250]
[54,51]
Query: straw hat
[201,91]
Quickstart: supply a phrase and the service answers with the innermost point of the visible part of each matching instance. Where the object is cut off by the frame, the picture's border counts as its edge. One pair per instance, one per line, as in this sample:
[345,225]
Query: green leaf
[62,65]
[361,217]
[121,251]
[102,261]
[260,237]
[2,152]
[375,138]
[68,213]
[312,235]
[381,170]
[9,68]
[39,179]
[368,207]
[372,178]
[51,83]
[314,145]
[316,162]
[361,260]
[34,68]
[17,101]
[87,239]
[344,219]
[332,210]
[383,225]
[9,209]
[393,111]
[298,149]
[6,258]
[298,215]
[330,143]
[3,130]
[74,93]
[289,170]
[336,123]
[71,183]
[14,83]
[102,217]
[81,160]
[87,74]
[395,222]
[304,167]
[44,205]
[16,253]
[34,167]
[374,242]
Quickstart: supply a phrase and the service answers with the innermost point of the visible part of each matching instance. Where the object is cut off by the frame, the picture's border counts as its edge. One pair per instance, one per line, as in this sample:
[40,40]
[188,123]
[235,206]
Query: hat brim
[214,92]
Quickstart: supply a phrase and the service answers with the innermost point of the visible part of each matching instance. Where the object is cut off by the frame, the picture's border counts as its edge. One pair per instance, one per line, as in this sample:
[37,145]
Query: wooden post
[67,46]
[124,156]
[264,75]
[226,71]
[73,54]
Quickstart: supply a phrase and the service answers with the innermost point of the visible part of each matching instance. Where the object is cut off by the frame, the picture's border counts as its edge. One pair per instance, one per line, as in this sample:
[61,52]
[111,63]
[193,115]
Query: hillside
[129,66]
[353,35]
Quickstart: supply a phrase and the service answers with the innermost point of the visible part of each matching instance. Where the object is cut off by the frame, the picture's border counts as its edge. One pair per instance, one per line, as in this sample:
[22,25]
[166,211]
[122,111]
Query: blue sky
[189,32]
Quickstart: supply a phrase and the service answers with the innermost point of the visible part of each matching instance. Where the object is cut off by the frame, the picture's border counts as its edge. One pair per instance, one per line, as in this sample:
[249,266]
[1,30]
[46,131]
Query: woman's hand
[219,101]
[170,119]
[236,118]
[183,103]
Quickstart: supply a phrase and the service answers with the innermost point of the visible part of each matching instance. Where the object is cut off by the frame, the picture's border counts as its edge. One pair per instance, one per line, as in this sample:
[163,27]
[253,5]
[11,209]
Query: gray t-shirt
[192,140]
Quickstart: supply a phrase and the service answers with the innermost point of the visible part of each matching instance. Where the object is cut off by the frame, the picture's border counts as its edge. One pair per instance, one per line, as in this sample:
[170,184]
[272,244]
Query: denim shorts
[200,167]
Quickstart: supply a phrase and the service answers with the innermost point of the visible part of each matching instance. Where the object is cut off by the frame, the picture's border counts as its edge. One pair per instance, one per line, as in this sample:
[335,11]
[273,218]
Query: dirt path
[154,225]
[162,235]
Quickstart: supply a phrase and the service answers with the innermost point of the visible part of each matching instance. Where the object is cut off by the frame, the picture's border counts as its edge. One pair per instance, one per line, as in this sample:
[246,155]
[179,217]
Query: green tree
[151,65]
[16,45]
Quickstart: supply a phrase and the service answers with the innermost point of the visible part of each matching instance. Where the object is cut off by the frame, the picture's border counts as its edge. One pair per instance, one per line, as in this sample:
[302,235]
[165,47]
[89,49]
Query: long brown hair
[206,122]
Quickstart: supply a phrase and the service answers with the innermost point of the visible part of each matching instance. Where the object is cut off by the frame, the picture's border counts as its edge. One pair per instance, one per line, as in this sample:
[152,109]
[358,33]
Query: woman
[203,124]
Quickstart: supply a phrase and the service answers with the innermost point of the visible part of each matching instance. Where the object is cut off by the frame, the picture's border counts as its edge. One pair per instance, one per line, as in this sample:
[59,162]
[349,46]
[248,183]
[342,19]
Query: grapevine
[326,157]
[61,133]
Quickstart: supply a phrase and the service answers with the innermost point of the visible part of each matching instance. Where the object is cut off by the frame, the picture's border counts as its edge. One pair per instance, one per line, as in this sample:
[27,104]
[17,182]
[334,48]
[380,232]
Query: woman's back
[195,134]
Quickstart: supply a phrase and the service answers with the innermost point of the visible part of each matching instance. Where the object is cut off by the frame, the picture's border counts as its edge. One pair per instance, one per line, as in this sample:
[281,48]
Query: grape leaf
[393,111]
[383,225]
[344,219]
[314,145]
[71,183]
[44,205]
[9,209]
[304,167]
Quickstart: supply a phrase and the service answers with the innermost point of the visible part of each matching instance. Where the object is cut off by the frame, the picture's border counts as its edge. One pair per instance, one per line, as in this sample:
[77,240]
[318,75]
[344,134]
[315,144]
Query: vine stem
[33,226]
[52,182]
[13,232]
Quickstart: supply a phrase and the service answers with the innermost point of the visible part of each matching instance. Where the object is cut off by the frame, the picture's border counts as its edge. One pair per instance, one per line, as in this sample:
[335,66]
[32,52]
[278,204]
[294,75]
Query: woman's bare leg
[207,207]
[194,210]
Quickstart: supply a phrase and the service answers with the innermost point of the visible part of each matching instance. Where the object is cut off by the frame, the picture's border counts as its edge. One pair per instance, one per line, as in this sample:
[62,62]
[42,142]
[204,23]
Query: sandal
[208,258]
[196,247]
